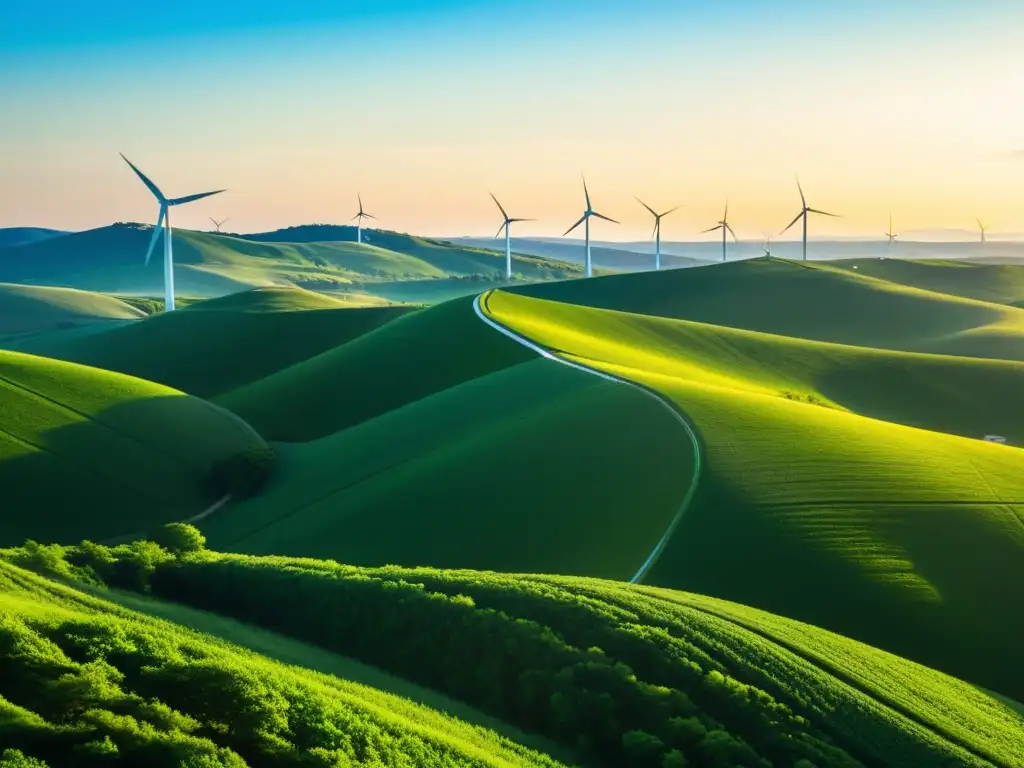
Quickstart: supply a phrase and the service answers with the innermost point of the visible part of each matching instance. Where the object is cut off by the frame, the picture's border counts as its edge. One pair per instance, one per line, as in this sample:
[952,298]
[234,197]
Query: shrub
[14,758]
[243,474]
[179,538]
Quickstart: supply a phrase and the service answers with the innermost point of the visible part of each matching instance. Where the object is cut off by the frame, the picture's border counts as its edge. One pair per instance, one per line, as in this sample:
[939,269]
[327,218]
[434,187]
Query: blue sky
[426,105]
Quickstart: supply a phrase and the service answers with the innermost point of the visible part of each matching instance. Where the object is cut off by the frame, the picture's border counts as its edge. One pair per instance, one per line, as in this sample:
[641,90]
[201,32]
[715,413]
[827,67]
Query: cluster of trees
[85,687]
[623,692]
[242,474]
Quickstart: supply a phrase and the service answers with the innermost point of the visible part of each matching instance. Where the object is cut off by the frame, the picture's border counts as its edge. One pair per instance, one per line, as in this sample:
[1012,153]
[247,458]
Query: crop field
[88,681]
[95,453]
[458,474]
[911,535]
[217,345]
[625,675]
[30,309]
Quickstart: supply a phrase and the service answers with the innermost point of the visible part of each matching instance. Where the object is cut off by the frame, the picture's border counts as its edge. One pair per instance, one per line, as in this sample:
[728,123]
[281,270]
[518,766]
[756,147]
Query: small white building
[995,439]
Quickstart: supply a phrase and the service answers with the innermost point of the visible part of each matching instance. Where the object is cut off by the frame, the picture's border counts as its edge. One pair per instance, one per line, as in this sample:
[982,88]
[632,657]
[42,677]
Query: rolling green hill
[415,356]
[453,479]
[901,537]
[29,309]
[90,453]
[624,675]
[996,283]
[90,682]
[808,301]
[23,235]
[110,260]
[219,344]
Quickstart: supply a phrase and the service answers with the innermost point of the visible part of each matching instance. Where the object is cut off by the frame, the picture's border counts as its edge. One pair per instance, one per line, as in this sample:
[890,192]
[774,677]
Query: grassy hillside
[87,682]
[626,675]
[901,537]
[110,259]
[217,345]
[28,309]
[417,355]
[808,301]
[453,480]
[92,453]
[21,235]
[996,283]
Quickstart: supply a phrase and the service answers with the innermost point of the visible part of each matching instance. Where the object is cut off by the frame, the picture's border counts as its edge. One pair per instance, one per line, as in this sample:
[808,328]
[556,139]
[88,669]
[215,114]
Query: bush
[179,538]
[241,475]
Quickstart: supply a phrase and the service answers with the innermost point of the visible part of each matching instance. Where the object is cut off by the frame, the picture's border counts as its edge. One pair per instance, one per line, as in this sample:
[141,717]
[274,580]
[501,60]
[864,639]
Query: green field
[531,467]
[90,453]
[996,283]
[624,675]
[88,682]
[901,537]
[807,301]
[217,345]
[30,309]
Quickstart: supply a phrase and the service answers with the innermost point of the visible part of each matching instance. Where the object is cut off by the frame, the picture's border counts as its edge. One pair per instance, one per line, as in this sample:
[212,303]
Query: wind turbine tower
[767,247]
[657,230]
[507,226]
[804,210]
[165,219]
[726,229]
[890,234]
[358,219]
[218,224]
[983,229]
[585,220]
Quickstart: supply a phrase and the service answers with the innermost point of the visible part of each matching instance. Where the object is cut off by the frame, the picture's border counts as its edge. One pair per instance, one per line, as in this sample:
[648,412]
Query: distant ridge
[12,236]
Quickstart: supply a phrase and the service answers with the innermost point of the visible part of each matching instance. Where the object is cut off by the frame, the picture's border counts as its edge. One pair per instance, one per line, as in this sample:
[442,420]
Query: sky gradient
[908,106]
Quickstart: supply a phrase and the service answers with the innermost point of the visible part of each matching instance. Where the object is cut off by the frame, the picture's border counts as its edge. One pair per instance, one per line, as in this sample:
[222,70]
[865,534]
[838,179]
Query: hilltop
[10,236]
[30,309]
[110,260]
[217,345]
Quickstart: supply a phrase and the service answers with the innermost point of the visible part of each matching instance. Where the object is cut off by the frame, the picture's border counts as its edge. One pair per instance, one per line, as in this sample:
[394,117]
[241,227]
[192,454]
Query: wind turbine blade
[359,197]
[732,233]
[145,180]
[670,210]
[190,198]
[725,218]
[645,205]
[156,233]
[215,222]
[515,220]
[498,234]
[570,229]
[824,213]
[357,216]
[369,216]
[713,229]
[794,221]
[657,223]
[602,216]
[803,200]
[499,206]
[586,193]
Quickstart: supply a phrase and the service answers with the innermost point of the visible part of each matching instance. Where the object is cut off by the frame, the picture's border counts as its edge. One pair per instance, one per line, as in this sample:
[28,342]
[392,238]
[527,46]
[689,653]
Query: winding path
[479,305]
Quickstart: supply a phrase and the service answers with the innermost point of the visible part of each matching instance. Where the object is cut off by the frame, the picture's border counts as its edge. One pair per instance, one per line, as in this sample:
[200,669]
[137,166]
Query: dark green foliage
[179,538]
[81,687]
[243,474]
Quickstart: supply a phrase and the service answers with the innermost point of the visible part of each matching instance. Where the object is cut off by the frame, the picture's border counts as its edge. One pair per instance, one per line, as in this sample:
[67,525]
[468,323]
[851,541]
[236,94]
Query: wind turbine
[358,219]
[726,229]
[165,219]
[890,234]
[804,210]
[585,220]
[507,226]
[218,224]
[657,230]
[767,247]
[983,229]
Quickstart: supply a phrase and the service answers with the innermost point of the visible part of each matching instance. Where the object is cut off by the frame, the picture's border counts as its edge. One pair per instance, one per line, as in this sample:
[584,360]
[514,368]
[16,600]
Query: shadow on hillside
[145,465]
[935,584]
